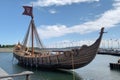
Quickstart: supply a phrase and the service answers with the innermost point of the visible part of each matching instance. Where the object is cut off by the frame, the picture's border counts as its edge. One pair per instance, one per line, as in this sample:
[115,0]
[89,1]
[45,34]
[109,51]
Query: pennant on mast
[28,11]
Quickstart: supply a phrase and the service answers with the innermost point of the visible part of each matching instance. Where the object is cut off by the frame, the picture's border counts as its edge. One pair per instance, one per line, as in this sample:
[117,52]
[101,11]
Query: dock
[5,76]
[109,52]
[4,73]
[115,66]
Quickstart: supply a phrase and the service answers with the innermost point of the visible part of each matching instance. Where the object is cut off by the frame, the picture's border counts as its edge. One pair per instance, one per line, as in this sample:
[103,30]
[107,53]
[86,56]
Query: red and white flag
[28,11]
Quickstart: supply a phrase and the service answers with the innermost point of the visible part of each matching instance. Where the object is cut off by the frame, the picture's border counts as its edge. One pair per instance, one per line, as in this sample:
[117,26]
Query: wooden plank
[25,73]
[3,73]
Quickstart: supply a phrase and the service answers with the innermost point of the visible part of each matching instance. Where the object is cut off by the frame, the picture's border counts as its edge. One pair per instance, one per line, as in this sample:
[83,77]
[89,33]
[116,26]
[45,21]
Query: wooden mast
[28,11]
[32,32]
[32,37]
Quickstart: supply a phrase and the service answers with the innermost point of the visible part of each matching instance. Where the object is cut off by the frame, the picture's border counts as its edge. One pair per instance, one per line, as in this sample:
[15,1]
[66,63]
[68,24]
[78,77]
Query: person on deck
[18,46]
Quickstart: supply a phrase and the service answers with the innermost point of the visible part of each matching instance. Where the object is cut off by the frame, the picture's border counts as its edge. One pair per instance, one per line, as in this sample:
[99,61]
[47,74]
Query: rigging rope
[27,35]
[73,66]
[36,39]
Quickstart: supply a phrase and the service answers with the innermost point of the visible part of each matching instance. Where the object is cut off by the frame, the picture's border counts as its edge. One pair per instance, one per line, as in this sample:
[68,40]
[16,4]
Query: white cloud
[108,19]
[52,11]
[44,3]
[117,3]
[52,31]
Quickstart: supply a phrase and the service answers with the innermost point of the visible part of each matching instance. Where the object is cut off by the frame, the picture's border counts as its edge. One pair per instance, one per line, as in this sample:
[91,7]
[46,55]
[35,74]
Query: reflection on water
[11,67]
[55,75]
[98,69]
[47,74]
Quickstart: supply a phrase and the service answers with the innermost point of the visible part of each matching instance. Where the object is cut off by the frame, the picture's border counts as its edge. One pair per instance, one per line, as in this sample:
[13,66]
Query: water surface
[98,69]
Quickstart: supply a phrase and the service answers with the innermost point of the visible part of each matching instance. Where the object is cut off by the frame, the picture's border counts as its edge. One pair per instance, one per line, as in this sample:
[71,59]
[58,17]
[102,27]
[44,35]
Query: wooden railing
[25,73]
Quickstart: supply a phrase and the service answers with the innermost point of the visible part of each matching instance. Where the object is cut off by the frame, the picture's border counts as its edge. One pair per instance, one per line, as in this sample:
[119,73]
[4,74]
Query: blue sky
[60,20]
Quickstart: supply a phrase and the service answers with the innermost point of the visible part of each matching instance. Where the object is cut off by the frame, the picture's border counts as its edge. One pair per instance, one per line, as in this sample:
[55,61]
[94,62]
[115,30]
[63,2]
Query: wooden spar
[32,37]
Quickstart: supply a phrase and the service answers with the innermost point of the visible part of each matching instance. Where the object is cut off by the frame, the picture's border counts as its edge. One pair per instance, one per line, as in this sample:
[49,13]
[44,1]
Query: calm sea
[98,69]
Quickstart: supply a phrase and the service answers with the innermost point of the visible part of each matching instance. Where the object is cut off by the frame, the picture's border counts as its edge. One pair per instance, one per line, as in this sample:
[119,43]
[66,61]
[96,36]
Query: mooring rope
[73,67]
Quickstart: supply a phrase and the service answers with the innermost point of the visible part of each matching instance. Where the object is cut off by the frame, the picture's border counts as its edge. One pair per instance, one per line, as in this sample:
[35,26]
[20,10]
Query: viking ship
[40,57]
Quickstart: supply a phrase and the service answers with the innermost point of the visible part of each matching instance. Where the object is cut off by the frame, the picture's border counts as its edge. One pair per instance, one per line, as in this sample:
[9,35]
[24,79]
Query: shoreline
[10,50]
[6,50]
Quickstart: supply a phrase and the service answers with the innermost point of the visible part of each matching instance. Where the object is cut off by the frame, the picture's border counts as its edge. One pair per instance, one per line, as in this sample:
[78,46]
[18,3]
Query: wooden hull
[76,58]
[73,59]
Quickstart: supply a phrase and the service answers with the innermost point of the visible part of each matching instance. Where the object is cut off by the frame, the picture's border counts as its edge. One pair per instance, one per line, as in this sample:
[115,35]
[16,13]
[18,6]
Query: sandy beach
[8,50]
